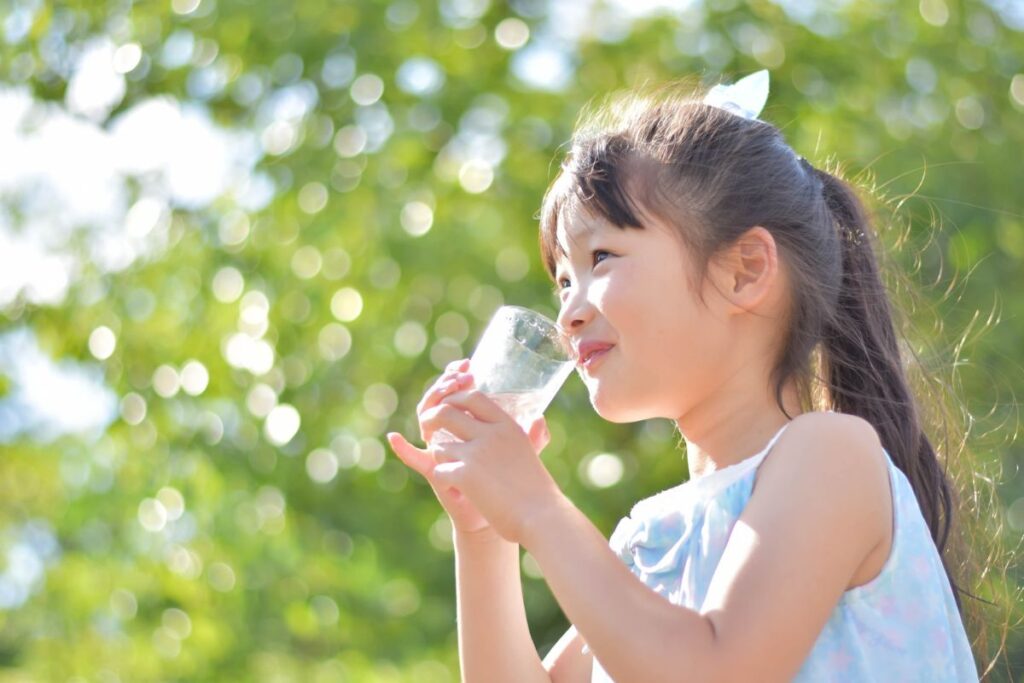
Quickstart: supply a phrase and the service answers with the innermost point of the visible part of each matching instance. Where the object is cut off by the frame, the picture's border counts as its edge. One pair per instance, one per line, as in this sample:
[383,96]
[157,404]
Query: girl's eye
[564,282]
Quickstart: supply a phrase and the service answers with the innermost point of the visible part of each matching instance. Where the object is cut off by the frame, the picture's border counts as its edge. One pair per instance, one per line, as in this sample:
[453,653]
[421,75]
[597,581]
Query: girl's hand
[495,465]
[465,517]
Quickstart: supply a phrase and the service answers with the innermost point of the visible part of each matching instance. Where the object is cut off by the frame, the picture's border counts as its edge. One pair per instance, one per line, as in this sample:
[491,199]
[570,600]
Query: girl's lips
[594,358]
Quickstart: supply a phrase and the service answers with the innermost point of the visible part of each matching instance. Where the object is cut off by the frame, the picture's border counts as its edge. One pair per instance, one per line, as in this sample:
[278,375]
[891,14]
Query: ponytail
[863,367]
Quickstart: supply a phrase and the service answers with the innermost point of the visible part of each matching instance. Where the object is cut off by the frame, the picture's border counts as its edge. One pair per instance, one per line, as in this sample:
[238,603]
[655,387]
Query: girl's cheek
[605,289]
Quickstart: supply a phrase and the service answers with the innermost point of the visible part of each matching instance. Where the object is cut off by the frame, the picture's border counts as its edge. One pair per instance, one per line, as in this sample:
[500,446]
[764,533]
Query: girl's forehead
[575,227]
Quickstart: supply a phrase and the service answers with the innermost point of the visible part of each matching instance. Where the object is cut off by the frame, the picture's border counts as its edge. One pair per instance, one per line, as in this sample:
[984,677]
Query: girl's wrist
[482,537]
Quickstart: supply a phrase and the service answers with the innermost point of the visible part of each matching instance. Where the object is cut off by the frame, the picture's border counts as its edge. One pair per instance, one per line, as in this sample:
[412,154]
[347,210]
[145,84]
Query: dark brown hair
[712,175]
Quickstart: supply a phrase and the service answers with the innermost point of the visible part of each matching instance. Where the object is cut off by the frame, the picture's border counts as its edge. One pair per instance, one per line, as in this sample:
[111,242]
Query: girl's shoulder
[826,440]
[835,457]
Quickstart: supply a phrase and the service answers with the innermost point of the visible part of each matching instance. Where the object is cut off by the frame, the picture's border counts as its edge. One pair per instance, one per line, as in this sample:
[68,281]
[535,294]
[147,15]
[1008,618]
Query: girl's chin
[608,408]
[617,408]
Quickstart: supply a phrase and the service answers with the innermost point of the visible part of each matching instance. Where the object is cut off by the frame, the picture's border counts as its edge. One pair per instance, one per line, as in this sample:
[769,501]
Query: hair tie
[746,97]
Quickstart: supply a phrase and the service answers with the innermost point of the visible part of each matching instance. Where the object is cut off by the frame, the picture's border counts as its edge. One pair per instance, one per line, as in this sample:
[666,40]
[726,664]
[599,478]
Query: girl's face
[629,288]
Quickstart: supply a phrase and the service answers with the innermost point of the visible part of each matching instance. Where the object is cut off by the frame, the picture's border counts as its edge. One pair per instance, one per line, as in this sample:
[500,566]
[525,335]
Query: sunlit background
[239,238]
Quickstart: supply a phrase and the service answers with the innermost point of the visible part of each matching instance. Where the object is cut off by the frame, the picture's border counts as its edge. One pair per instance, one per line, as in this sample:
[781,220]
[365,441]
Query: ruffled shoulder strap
[706,485]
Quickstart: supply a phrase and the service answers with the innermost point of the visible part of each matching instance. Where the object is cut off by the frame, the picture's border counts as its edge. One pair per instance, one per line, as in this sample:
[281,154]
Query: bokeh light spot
[346,304]
[334,341]
[371,454]
[443,352]
[177,622]
[350,141]
[221,577]
[133,408]
[336,264]
[282,424]
[184,6]
[172,501]
[228,284]
[475,176]
[127,57]
[410,339]
[322,465]
[152,515]
[194,378]
[970,113]
[279,137]
[326,609]
[313,197]
[417,218]
[166,381]
[260,400]
[380,400]
[1017,89]
[453,325]
[255,355]
[346,448]
[511,33]
[602,470]
[165,644]
[254,307]
[420,76]
[102,342]
[935,12]
[367,89]
[307,262]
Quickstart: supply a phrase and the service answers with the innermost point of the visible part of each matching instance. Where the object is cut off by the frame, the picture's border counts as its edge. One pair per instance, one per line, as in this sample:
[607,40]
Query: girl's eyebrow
[584,241]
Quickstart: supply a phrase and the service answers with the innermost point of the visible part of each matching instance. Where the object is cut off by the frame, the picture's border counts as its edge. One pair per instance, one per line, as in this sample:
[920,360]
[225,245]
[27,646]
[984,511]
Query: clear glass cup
[520,362]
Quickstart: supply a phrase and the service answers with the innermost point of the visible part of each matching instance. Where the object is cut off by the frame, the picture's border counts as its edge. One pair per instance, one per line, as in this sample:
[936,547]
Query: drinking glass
[520,362]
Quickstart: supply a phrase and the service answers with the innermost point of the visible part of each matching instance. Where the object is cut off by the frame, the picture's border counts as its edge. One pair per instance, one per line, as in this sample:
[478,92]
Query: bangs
[595,178]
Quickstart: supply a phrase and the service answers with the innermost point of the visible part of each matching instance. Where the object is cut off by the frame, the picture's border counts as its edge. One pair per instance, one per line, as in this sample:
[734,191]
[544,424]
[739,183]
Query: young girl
[710,275]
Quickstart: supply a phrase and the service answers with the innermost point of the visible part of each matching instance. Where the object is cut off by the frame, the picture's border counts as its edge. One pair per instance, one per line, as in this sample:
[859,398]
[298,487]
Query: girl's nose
[576,311]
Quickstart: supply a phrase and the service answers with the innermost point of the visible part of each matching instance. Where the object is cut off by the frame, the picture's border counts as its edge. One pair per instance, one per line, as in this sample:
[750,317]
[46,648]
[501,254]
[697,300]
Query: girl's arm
[567,662]
[494,638]
[817,511]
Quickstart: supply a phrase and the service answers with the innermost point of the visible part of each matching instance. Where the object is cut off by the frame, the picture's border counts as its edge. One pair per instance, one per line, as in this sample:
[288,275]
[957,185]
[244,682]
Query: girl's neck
[716,439]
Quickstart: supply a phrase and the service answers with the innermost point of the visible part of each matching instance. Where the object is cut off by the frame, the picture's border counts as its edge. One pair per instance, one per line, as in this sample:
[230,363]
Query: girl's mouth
[594,358]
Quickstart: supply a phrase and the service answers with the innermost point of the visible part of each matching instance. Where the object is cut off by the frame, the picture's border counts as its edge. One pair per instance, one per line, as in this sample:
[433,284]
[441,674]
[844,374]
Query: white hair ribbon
[746,97]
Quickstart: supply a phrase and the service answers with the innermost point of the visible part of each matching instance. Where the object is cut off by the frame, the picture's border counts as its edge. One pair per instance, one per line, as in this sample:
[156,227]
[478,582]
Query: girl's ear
[749,270]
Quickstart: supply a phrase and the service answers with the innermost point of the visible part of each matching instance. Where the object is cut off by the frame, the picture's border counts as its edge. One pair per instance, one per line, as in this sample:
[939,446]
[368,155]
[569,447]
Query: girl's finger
[446,384]
[453,420]
[478,404]
[427,464]
[419,460]
[540,437]
[460,365]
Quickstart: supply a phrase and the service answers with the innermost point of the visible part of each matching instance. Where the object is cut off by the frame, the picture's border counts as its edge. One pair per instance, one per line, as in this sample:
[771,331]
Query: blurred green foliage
[201,536]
